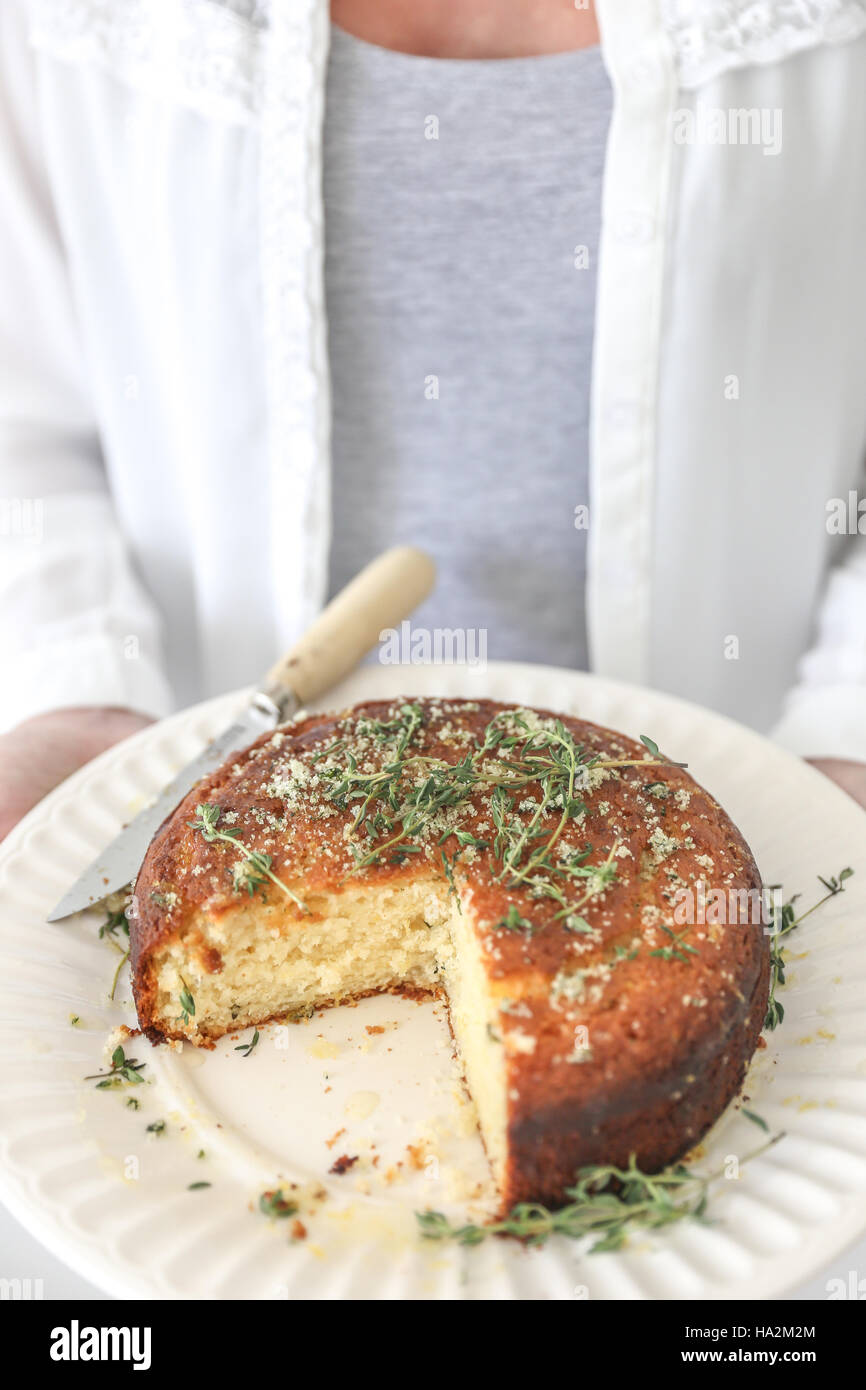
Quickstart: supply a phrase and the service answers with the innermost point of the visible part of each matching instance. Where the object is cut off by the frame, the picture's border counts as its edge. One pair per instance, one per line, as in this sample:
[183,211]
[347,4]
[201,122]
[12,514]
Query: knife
[377,598]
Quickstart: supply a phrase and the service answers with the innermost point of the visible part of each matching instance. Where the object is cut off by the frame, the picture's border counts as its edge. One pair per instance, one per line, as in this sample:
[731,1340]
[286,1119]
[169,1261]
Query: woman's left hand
[850,776]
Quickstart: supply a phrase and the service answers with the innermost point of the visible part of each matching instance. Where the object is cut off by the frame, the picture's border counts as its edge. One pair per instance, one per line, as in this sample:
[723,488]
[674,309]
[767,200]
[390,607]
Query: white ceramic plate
[80,1170]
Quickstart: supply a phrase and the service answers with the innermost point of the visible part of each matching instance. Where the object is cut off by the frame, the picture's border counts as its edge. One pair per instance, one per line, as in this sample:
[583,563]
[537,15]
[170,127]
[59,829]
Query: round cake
[584,906]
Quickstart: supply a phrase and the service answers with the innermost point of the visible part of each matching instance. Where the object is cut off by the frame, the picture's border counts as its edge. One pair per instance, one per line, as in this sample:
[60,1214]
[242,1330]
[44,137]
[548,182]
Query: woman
[282,289]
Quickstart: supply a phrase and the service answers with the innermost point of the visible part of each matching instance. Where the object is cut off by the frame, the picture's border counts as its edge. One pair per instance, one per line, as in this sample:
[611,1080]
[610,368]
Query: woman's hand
[850,776]
[39,753]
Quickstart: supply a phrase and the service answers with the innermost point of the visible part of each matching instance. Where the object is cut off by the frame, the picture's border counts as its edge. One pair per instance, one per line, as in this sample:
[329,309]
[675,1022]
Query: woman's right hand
[38,754]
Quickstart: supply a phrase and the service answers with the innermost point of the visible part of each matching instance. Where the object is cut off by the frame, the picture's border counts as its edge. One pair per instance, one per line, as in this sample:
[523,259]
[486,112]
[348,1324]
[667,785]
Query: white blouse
[164,401]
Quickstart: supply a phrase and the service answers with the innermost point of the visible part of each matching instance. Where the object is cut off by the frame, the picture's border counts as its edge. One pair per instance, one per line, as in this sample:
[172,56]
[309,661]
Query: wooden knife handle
[381,596]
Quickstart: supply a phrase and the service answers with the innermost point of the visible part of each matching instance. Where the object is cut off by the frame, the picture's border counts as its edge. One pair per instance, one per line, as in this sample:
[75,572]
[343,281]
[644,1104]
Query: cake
[528,868]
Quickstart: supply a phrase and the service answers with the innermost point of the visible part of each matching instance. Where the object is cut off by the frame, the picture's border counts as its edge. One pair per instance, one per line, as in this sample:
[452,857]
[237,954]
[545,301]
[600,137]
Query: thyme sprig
[254,868]
[606,1202]
[784,920]
[246,1048]
[678,949]
[123,1071]
[407,797]
[116,923]
[598,877]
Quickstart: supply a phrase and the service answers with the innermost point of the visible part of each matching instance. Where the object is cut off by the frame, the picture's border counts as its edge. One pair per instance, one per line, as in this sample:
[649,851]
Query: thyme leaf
[756,1119]
[276,1203]
[513,921]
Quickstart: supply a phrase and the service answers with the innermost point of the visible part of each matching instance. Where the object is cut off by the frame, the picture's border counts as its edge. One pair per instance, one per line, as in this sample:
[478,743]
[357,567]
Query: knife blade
[378,598]
[118,862]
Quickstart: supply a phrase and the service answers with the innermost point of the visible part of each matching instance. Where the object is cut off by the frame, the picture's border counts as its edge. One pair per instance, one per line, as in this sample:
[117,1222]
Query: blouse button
[634,228]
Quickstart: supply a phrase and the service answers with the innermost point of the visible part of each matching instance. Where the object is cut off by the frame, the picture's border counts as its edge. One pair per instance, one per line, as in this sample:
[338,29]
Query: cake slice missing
[520,866]
[407,937]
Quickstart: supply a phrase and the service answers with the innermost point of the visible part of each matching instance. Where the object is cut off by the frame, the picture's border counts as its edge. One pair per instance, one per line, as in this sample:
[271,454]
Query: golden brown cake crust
[672,1015]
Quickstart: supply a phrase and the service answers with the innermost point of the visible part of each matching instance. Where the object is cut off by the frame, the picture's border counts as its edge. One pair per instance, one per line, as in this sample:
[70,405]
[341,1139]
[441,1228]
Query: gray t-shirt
[458,197]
